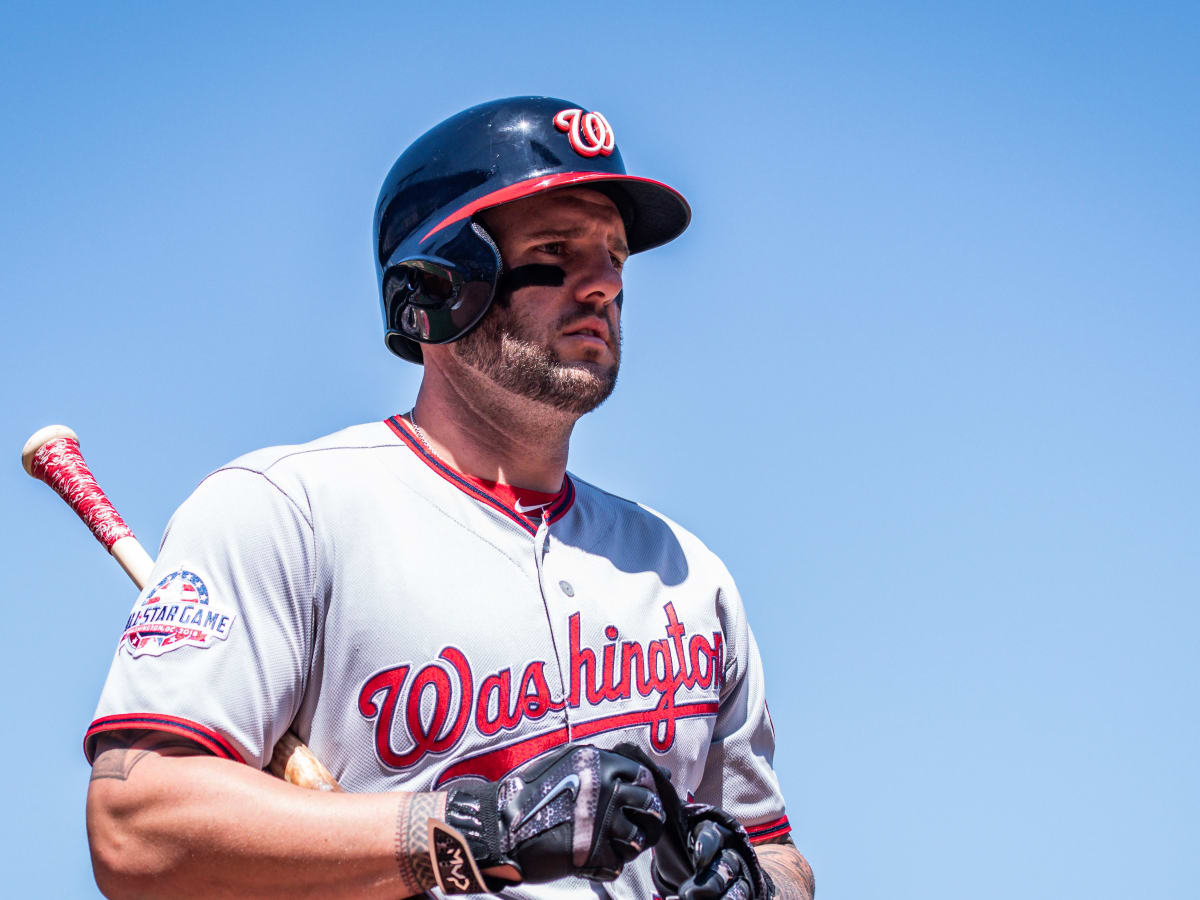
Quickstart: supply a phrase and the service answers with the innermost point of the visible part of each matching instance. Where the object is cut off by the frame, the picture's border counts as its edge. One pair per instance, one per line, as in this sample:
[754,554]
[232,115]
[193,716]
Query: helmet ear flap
[437,293]
[415,288]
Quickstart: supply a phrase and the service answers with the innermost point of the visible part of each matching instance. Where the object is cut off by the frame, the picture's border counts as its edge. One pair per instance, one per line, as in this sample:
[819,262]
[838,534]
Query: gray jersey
[414,626]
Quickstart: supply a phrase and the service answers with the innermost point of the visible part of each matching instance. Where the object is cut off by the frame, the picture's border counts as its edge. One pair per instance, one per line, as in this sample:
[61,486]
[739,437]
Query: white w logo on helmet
[590,134]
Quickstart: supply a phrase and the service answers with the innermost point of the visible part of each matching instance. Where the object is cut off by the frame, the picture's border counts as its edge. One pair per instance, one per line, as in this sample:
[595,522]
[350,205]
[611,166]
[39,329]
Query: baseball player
[523,682]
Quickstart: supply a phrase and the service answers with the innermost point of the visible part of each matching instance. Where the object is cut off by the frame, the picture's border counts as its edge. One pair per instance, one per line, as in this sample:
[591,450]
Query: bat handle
[134,559]
[295,763]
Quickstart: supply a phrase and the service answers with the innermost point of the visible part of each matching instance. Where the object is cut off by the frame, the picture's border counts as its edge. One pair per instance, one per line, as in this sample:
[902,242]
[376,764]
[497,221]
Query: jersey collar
[525,507]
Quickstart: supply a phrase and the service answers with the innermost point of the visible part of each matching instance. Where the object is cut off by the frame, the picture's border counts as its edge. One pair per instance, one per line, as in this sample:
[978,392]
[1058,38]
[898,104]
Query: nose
[600,280]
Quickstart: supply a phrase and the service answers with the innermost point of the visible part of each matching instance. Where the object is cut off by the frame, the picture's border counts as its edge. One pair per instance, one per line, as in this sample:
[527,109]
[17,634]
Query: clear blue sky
[923,371]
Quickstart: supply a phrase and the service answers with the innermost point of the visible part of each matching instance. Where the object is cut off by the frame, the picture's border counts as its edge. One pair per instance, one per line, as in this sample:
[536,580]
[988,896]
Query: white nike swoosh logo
[527,509]
[569,784]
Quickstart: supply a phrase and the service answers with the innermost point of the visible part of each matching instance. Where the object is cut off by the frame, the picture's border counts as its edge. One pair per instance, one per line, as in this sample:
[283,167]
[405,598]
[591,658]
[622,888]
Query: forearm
[165,822]
[788,869]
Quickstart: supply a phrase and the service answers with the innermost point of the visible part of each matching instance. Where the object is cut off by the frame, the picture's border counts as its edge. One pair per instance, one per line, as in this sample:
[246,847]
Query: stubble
[504,350]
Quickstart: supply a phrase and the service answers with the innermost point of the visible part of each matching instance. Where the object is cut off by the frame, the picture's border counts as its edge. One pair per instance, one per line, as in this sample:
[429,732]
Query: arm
[789,870]
[165,819]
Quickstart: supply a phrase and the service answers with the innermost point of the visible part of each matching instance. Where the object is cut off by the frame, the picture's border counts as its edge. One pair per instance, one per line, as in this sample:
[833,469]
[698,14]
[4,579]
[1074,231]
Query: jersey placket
[541,547]
[508,513]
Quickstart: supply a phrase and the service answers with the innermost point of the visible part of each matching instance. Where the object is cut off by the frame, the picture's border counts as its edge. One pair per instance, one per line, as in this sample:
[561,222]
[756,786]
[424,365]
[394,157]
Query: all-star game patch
[176,613]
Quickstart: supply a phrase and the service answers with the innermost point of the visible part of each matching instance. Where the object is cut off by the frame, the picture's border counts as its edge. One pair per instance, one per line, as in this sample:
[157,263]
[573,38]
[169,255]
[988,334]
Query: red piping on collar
[472,486]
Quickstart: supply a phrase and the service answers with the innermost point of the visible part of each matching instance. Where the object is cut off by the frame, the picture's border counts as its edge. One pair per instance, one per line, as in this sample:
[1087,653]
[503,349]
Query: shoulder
[341,447]
[290,467]
[633,523]
[292,475]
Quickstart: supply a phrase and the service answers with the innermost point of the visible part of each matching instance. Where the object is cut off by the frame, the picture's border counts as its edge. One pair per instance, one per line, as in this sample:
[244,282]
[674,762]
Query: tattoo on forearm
[789,870]
[117,753]
[412,840]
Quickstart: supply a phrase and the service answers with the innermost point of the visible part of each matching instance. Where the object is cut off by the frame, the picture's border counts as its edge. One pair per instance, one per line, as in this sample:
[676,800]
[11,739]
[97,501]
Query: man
[502,664]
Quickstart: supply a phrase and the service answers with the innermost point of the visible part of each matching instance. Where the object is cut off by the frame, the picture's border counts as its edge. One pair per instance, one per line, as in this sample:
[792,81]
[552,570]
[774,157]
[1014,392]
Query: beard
[506,349]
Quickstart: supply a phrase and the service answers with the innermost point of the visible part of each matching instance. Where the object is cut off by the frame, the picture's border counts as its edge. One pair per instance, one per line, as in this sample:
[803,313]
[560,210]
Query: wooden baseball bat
[52,455]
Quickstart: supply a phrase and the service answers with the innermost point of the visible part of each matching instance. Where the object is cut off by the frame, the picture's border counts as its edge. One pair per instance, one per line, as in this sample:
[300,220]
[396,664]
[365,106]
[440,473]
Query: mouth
[590,329]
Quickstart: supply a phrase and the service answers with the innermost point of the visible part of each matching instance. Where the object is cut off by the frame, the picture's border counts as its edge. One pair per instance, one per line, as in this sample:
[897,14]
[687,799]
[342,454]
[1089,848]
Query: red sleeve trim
[768,830]
[205,737]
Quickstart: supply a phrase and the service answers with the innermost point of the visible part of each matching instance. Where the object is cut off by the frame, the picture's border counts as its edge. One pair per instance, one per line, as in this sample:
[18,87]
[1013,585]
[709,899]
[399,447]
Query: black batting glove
[703,852]
[583,812]
[720,870]
[714,859]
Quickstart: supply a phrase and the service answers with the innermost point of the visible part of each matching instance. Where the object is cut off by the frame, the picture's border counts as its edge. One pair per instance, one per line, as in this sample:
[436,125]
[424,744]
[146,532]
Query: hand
[715,860]
[704,852]
[584,812]
[719,870]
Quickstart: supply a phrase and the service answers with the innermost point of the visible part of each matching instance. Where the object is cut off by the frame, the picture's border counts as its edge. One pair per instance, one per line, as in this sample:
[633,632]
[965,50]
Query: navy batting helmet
[438,268]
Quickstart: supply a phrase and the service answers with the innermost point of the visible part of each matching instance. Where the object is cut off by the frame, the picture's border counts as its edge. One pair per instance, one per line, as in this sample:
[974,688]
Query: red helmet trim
[532,186]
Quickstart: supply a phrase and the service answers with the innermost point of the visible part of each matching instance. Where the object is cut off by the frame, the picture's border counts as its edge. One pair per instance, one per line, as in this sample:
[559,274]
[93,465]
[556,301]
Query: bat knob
[40,438]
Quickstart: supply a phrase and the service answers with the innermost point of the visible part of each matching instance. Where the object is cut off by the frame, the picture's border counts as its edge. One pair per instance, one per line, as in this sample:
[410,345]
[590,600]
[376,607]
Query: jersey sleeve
[738,773]
[217,647]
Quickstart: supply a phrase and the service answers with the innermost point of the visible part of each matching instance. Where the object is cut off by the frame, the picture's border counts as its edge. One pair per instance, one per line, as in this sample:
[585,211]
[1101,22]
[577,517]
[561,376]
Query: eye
[617,262]
[552,248]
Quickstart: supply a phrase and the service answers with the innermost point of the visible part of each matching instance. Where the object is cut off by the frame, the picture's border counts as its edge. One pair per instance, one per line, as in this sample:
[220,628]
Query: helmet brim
[654,213]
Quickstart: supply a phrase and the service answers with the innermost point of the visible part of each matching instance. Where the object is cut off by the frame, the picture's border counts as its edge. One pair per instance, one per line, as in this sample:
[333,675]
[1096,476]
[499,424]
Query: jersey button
[566,588]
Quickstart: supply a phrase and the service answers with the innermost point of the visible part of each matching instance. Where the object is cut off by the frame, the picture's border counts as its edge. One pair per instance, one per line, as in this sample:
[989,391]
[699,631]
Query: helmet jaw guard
[438,268]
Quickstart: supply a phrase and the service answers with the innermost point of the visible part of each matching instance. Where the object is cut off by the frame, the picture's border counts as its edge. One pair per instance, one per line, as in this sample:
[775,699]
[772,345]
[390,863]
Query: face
[558,345]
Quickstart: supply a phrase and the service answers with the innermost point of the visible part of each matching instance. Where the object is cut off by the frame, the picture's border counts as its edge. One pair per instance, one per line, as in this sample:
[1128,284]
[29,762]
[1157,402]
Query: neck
[492,434]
